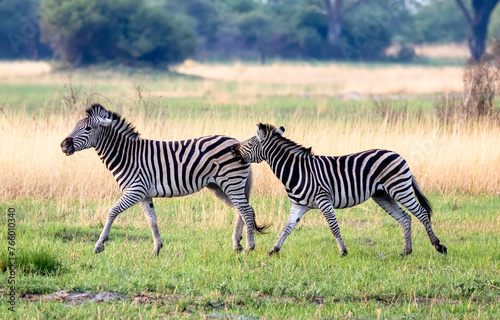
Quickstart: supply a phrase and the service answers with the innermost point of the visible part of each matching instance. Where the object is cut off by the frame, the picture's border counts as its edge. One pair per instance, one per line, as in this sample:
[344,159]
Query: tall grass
[16,69]
[334,78]
[461,157]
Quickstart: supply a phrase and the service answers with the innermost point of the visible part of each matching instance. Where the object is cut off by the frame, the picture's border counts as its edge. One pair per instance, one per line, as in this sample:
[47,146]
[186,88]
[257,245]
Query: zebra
[328,183]
[146,169]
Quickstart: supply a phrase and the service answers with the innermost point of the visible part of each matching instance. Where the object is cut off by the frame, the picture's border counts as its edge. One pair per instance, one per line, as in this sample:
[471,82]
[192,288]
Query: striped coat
[145,169]
[328,183]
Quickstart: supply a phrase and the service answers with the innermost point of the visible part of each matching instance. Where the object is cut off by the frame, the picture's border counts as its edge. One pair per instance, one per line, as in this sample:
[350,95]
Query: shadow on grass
[67,233]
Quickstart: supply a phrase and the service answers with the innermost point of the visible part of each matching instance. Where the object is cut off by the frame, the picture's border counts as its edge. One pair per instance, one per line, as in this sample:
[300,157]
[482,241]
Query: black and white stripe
[145,169]
[328,183]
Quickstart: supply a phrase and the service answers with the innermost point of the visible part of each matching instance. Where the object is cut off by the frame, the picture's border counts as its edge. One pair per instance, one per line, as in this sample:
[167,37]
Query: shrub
[124,31]
[481,86]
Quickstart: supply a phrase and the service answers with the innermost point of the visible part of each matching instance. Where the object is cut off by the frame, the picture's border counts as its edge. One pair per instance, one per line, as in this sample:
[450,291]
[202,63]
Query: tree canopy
[127,31]
[164,32]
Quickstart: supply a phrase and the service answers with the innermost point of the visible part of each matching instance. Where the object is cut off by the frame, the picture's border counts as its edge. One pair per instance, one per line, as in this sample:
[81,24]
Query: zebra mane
[127,129]
[290,145]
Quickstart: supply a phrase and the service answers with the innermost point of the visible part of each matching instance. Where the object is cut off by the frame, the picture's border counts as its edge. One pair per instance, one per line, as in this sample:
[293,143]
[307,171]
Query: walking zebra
[328,183]
[145,169]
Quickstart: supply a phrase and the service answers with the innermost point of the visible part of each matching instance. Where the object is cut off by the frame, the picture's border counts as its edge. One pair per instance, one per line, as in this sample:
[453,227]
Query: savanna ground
[61,202]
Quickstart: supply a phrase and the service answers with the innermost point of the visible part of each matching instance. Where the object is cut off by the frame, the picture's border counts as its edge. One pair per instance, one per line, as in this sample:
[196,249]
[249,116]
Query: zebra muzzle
[236,152]
[67,146]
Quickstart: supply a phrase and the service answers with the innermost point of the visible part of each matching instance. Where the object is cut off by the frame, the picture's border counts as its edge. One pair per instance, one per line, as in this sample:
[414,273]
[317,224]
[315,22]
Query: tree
[478,23]
[19,30]
[255,32]
[335,16]
[438,22]
[125,31]
[204,16]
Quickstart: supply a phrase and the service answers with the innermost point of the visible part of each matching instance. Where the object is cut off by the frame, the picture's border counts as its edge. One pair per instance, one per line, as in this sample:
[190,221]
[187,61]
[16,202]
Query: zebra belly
[168,191]
[341,205]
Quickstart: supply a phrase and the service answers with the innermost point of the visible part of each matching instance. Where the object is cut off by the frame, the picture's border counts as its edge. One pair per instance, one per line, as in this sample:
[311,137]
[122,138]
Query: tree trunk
[481,11]
[479,27]
[334,18]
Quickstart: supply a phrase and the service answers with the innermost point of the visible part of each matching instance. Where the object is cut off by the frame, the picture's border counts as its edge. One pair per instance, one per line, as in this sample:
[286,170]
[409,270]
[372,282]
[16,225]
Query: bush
[19,30]
[124,31]
[481,85]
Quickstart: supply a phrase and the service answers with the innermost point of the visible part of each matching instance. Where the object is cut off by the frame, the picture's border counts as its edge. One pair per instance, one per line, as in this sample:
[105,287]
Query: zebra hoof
[248,249]
[273,251]
[441,248]
[405,253]
[98,249]
[156,250]
[155,253]
[238,248]
[343,253]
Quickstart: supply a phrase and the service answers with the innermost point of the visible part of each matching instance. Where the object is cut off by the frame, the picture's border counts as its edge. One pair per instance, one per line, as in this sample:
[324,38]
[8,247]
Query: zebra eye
[88,128]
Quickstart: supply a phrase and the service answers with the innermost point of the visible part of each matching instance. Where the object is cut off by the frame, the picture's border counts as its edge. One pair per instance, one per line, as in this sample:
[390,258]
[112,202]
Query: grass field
[61,202]
[197,273]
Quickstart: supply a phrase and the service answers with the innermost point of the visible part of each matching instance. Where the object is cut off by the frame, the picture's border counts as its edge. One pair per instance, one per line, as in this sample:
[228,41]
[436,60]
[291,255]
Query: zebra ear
[260,133]
[280,130]
[105,122]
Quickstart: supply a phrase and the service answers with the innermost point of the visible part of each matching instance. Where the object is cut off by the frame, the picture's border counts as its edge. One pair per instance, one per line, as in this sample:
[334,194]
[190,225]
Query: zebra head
[253,149]
[86,132]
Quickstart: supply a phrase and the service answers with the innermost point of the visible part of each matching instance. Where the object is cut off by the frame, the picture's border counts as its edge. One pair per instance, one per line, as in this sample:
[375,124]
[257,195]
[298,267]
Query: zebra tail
[424,202]
[248,187]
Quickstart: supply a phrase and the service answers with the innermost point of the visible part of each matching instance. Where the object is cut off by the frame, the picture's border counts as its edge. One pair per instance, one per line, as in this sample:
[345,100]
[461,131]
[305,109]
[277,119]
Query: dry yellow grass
[278,79]
[335,78]
[447,51]
[16,69]
[463,158]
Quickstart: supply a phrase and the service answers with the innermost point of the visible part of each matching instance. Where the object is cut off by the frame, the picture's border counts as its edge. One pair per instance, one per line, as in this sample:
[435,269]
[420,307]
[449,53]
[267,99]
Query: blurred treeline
[162,32]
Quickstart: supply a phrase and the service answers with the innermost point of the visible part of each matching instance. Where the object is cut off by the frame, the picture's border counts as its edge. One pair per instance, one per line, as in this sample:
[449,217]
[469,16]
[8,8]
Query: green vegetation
[198,273]
[45,99]
[163,32]
[125,31]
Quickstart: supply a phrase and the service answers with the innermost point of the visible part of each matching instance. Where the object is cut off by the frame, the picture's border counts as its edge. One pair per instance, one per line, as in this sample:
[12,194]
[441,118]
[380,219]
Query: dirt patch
[142,298]
[75,298]
[389,302]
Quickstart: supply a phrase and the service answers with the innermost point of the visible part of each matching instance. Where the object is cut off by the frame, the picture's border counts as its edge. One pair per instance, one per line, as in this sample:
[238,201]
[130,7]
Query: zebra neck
[116,150]
[287,165]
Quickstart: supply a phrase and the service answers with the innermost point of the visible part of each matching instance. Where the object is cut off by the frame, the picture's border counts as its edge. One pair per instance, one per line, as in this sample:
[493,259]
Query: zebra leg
[326,208]
[127,200]
[235,191]
[246,215]
[410,203]
[149,210]
[237,232]
[296,212]
[394,210]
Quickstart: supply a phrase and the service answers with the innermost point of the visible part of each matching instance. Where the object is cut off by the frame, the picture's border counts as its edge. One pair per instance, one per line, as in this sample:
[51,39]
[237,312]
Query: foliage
[126,31]
[254,30]
[439,21]
[163,32]
[494,28]
[19,30]
[202,16]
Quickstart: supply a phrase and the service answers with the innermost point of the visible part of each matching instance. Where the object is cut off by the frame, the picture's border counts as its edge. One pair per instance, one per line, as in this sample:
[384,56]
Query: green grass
[41,100]
[197,272]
